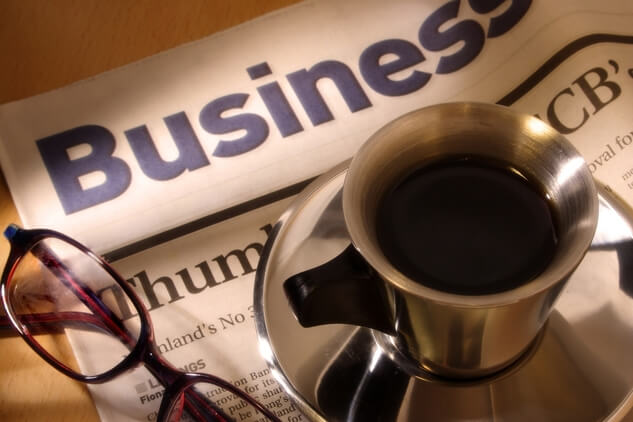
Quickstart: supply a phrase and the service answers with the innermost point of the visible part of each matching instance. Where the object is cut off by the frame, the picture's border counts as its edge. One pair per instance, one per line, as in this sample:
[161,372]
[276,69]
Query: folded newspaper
[176,166]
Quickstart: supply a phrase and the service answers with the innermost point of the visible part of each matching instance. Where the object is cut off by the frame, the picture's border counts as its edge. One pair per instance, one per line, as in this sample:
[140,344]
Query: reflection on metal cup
[450,332]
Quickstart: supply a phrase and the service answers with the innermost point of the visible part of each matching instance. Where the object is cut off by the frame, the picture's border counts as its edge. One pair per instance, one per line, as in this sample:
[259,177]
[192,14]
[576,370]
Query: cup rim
[532,126]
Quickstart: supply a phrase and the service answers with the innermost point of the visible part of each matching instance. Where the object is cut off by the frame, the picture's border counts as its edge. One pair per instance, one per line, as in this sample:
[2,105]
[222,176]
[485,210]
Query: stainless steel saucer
[580,368]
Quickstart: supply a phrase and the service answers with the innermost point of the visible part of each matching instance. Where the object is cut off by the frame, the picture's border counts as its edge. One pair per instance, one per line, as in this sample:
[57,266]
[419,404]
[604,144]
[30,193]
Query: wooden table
[47,45]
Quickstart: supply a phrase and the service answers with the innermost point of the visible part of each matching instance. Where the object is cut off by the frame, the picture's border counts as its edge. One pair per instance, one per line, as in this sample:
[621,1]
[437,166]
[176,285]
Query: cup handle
[344,290]
[615,232]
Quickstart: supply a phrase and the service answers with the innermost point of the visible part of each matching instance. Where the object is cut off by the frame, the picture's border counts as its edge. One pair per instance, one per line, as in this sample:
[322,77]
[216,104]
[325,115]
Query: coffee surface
[466,228]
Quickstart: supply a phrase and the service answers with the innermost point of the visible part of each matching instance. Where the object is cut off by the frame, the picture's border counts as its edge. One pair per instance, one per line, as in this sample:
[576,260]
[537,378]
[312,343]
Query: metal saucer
[580,369]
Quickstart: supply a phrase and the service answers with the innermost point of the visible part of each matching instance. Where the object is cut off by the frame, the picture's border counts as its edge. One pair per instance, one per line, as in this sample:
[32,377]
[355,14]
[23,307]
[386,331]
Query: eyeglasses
[52,284]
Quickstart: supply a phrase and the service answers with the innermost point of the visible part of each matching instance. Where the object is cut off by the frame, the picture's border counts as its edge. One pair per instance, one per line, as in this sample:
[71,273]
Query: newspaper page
[240,120]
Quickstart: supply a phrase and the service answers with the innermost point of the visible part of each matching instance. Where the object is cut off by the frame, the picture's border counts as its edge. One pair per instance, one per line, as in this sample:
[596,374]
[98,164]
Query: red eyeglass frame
[143,349]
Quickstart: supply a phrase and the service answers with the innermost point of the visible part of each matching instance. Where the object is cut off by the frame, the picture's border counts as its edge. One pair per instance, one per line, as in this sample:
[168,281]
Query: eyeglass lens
[57,290]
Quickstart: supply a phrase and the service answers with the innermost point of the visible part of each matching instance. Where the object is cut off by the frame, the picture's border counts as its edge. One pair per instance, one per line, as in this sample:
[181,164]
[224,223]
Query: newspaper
[177,165]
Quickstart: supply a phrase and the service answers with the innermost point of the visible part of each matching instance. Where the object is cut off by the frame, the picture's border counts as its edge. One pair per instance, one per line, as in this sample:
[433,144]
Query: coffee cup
[466,220]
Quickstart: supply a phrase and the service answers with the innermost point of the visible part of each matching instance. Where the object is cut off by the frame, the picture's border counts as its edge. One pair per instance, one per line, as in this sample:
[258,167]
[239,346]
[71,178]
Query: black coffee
[465,228]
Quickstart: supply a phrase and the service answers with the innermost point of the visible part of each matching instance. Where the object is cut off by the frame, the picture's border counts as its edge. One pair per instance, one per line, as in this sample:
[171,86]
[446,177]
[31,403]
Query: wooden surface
[48,44]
